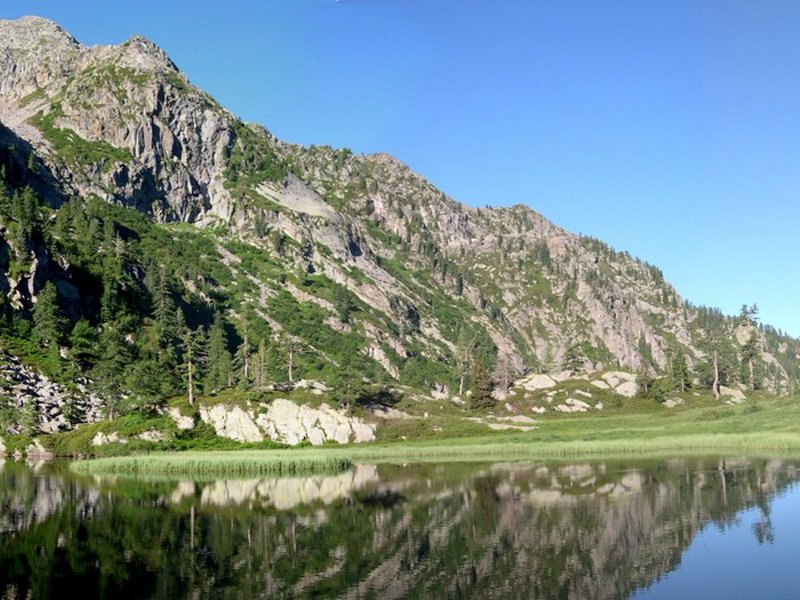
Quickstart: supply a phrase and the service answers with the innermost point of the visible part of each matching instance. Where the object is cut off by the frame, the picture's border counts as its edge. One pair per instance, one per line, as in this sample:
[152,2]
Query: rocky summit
[154,245]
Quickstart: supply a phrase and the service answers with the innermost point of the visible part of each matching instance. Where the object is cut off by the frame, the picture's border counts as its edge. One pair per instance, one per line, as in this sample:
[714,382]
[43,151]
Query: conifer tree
[260,375]
[481,386]
[681,374]
[189,344]
[749,356]
[113,249]
[242,357]
[219,372]
[108,374]
[47,324]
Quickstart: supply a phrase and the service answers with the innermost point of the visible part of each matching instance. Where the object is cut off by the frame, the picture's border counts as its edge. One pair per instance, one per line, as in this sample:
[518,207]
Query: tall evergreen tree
[680,373]
[219,372]
[108,373]
[481,386]
[260,367]
[113,249]
[48,326]
[242,357]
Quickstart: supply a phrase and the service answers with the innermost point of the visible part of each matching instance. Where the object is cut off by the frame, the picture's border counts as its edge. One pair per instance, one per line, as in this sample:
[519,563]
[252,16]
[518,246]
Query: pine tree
[108,374]
[574,359]
[260,375]
[47,324]
[481,386]
[343,302]
[644,382]
[113,249]
[189,343]
[241,360]
[29,417]
[681,374]
[219,372]
[83,344]
[750,352]
[164,317]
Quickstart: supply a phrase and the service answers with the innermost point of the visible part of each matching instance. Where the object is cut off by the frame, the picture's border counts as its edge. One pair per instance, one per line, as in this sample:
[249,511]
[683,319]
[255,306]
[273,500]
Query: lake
[683,528]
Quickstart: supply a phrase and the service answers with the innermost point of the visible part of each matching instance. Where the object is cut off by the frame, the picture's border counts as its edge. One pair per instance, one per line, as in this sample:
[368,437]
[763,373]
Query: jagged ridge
[375,257]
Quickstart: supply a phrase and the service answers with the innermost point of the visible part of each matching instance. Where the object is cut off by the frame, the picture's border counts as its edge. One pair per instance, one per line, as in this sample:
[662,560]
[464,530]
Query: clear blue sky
[667,128]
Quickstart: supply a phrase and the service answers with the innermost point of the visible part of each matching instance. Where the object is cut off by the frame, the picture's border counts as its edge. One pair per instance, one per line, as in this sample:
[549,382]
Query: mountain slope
[152,200]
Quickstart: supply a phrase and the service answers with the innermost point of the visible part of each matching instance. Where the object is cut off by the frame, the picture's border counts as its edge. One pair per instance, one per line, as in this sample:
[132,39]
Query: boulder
[182,422]
[572,405]
[562,376]
[615,378]
[152,436]
[101,439]
[538,382]
[35,451]
[673,402]
[627,389]
[732,395]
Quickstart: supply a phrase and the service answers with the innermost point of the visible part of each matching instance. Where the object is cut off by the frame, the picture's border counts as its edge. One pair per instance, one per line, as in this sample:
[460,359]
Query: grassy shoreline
[764,427]
[236,463]
[332,460]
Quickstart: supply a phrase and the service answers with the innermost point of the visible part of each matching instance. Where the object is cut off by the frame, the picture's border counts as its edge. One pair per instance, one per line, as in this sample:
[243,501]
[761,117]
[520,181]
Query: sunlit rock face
[286,422]
[419,259]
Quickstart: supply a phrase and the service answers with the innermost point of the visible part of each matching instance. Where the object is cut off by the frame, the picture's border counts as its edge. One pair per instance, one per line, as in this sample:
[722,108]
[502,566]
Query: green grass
[74,149]
[242,463]
[761,427]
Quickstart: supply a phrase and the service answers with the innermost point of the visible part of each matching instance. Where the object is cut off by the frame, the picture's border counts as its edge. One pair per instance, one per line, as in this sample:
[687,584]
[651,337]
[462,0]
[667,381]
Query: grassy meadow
[762,426]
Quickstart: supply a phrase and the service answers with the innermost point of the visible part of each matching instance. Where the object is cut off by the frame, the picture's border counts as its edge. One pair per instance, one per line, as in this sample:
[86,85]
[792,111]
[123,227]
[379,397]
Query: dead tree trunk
[715,383]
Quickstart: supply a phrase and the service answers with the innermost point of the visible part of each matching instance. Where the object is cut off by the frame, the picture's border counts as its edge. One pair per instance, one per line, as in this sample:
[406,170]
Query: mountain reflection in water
[589,530]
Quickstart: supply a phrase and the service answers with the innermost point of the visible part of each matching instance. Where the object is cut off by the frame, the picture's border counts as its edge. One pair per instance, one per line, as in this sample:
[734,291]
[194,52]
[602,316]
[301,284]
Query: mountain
[142,224]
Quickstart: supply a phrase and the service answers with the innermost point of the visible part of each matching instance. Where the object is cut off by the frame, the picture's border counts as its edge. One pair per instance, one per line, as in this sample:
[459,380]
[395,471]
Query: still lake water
[680,528]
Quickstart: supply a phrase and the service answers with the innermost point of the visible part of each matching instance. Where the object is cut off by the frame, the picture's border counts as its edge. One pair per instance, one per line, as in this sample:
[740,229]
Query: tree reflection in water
[599,530]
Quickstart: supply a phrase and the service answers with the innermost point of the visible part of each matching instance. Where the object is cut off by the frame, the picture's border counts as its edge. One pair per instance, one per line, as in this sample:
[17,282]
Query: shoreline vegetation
[762,426]
[309,461]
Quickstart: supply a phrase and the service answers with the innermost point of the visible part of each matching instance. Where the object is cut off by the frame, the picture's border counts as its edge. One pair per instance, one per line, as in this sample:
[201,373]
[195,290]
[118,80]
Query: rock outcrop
[122,123]
[286,422]
[45,404]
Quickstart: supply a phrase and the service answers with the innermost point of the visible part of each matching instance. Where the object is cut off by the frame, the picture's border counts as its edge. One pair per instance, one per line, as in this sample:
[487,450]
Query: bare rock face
[286,422]
[123,123]
[165,142]
[101,439]
[182,422]
[232,422]
[45,402]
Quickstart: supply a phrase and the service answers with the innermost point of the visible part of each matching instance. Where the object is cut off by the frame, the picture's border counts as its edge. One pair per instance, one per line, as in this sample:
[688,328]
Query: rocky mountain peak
[36,53]
[32,30]
[414,278]
[141,52]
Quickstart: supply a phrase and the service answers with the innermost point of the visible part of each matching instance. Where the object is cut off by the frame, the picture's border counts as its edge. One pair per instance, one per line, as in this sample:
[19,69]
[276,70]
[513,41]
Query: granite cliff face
[428,280]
